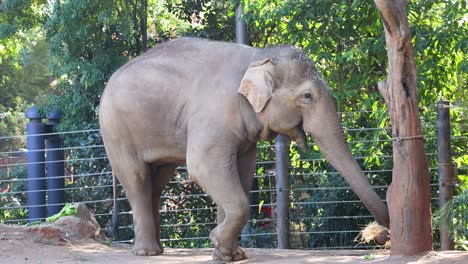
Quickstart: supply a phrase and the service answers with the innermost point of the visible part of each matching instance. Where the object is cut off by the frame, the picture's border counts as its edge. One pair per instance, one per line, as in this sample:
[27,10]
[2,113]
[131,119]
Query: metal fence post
[241,38]
[282,191]
[36,165]
[115,211]
[55,167]
[241,28]
[446,175]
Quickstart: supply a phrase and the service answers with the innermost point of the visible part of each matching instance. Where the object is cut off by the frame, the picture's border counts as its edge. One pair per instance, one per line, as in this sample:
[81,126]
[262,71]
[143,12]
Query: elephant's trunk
[331,141]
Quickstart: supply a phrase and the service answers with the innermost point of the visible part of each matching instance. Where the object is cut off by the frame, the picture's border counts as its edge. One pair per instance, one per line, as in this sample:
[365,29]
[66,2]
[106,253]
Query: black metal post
[115,212]
[282,191]
[36,166]
[55,167]
[241,28]
[446,175]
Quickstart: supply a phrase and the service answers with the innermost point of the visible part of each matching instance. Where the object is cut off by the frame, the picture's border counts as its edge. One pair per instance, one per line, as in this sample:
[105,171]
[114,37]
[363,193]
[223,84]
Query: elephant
[205,104]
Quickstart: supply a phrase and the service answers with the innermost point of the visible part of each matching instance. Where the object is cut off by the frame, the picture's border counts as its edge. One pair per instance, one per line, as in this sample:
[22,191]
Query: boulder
[77,228]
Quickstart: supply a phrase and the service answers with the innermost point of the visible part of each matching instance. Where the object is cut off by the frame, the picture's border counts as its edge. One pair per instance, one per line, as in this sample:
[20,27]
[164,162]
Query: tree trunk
[143,25]
[409,194]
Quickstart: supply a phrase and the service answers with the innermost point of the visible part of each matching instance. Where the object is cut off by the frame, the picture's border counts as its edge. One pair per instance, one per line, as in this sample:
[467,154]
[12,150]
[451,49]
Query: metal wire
[325,232]
[59,189]
[60,177]
[251,221]
[50,149]
[45,205]
[258,163]
[53,133]
[207,238]
[334,217]
[362,111]
[44,162]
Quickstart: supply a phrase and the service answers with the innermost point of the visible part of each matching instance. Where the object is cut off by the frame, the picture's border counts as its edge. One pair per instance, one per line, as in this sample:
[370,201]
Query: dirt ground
[20,246]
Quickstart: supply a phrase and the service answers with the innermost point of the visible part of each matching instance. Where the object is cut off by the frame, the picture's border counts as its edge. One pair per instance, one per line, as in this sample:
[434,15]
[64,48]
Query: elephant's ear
[257,84]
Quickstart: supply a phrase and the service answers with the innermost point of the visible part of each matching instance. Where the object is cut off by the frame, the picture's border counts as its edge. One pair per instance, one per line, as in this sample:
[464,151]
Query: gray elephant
[205,104]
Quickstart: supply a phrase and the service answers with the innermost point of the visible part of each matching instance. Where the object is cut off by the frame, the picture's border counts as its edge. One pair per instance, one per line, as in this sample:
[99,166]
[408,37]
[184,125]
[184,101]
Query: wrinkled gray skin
[206,104]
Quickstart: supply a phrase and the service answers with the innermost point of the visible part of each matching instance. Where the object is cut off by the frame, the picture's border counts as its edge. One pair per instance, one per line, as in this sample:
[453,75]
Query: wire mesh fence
[324,212]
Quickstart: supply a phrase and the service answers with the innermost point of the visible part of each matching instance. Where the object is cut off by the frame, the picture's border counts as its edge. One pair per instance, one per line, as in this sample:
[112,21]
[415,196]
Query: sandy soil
[20,246]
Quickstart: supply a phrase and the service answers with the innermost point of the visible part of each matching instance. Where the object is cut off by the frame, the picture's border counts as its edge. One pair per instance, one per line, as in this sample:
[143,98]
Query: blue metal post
[241,28]
[282,191]
[55,167]
[36,166]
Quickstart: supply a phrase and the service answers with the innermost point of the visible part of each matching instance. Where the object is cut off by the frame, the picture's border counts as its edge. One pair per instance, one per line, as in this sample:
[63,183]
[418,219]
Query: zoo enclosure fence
[322,212]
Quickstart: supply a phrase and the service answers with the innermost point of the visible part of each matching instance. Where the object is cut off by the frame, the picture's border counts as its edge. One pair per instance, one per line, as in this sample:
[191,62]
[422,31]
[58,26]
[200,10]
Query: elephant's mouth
[298,135]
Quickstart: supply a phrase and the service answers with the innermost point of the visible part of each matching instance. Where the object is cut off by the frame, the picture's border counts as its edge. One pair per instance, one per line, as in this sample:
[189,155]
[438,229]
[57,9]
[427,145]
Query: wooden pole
[409,194]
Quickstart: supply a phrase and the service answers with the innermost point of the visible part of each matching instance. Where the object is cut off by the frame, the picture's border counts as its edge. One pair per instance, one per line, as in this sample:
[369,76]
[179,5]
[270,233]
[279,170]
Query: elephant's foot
[226,254]
[146,250]
[226,249]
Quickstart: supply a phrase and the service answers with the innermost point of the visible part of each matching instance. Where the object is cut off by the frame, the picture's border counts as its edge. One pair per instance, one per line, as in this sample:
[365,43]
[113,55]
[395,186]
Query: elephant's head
[290,98]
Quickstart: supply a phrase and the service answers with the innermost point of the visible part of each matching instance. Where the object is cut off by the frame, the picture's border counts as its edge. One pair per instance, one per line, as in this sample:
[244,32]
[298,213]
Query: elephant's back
[175,77]
[183,67]
[191,56]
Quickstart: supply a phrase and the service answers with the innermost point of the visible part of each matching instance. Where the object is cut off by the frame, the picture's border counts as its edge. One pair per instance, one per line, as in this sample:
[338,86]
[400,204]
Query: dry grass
[369,234]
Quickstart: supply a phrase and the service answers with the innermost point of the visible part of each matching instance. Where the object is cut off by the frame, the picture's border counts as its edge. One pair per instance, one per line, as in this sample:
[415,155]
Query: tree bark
[143,25]
[409,194]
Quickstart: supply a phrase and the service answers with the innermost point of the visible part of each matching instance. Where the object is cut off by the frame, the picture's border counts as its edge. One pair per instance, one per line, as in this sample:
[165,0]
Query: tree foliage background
[61,53]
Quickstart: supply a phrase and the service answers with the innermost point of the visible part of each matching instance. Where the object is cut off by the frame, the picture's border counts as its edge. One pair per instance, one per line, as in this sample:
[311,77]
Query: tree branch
[387,9]
[383,89]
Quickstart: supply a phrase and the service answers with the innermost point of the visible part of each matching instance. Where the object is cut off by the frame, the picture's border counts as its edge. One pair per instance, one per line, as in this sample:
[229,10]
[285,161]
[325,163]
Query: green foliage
[68,209]
[180,220]
[12,123]
[13,193]
[455,215]
[439,36]
[17,16]
[88,40]
[24,76]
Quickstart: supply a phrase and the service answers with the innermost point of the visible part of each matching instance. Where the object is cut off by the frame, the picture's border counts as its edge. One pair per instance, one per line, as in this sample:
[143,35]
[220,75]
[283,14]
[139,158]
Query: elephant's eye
[306,98]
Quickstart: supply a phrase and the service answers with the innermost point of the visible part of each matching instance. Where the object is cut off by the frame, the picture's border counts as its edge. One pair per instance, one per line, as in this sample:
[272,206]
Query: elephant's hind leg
[161,177]
[135,177]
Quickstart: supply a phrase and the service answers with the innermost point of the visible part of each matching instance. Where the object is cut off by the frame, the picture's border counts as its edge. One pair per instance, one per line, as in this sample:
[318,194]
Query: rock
[83,225]
[383,237]
[77,228]
[46,234]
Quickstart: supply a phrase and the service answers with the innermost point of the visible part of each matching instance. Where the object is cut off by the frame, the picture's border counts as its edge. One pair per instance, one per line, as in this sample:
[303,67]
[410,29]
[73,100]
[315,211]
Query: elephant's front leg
[246,164]
[215,170]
